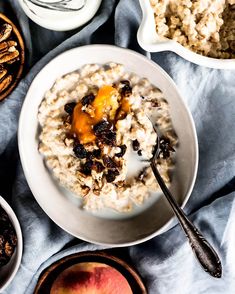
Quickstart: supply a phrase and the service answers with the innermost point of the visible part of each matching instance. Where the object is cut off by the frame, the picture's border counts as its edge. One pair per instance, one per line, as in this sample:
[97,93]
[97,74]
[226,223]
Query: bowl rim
[22,57]
[194,134]
[152,44]
[12,216]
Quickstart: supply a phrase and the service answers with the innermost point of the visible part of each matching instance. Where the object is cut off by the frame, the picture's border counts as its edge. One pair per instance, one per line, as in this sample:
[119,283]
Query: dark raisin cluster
[165,148]
[91,163]
[86,100]
[112,167]
[104,133]
[8,239]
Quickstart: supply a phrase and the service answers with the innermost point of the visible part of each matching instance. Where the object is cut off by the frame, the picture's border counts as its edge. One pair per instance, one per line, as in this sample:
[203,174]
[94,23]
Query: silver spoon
[204,252]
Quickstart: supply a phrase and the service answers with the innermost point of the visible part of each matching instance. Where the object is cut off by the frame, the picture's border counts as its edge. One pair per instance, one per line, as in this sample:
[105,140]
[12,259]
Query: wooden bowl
[17,67]
[49,275]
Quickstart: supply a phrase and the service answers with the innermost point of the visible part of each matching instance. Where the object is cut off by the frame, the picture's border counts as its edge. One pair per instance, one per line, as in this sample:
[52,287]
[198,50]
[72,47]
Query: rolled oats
[205,27]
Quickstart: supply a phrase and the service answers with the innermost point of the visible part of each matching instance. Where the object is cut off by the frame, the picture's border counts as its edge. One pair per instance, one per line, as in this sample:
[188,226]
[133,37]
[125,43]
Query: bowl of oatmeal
[91,140]
[202,32]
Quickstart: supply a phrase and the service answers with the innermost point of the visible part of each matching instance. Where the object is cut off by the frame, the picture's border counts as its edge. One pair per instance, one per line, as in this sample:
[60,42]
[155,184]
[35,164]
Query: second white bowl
[150,41]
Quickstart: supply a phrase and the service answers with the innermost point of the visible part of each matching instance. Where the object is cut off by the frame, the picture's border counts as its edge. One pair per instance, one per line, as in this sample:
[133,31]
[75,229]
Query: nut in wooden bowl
[12,56]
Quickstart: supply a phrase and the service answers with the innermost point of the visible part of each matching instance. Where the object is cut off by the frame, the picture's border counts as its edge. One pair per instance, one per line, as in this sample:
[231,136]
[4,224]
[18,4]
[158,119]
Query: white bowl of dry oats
[202,32]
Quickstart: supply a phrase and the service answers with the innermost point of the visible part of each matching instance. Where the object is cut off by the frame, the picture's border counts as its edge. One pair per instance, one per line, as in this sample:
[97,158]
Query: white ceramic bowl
[58,15]
[150,41]
[109,229]
[8,271]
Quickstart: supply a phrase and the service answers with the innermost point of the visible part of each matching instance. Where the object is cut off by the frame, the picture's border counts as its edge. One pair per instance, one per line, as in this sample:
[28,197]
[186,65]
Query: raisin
[98,166]
[86,168]
[121,114]
[88,99]
[115,172]
[69,107]
[110,176]
[108,138]
[89,155]
[109,162]
[107,67]
[135,145]
[139,152]
[165,147]
[122,152]
[97,153]
[126,90]
[80,151]
[102,127]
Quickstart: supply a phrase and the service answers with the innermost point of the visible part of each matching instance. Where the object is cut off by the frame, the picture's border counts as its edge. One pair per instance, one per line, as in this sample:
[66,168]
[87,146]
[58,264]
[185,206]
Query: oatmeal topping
[91,110]
[91,122]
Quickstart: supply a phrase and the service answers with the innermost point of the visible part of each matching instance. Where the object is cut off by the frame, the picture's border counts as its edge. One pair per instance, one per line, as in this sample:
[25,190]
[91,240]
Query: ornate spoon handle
[204,252]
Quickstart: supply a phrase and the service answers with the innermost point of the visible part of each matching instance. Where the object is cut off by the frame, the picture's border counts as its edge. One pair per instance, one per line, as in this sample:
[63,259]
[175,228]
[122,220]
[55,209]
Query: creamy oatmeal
[206,27]
[92,121]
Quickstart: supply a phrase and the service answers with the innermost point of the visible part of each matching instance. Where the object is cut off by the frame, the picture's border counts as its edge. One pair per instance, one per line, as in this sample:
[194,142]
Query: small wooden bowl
[19,65]
[49,275]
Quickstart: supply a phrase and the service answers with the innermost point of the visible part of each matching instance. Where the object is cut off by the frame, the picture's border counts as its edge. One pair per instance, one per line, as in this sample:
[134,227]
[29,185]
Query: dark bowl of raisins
[11,244]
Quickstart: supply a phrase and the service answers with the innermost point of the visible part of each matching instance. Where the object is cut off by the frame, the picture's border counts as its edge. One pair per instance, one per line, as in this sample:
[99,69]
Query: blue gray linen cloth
[166,262]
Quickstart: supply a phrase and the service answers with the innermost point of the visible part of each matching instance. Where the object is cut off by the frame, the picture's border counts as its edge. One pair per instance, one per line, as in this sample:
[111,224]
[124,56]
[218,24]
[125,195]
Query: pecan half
[9,56]
[5,31]
[3,72]
[5,83]
[4,46]
[13,60]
